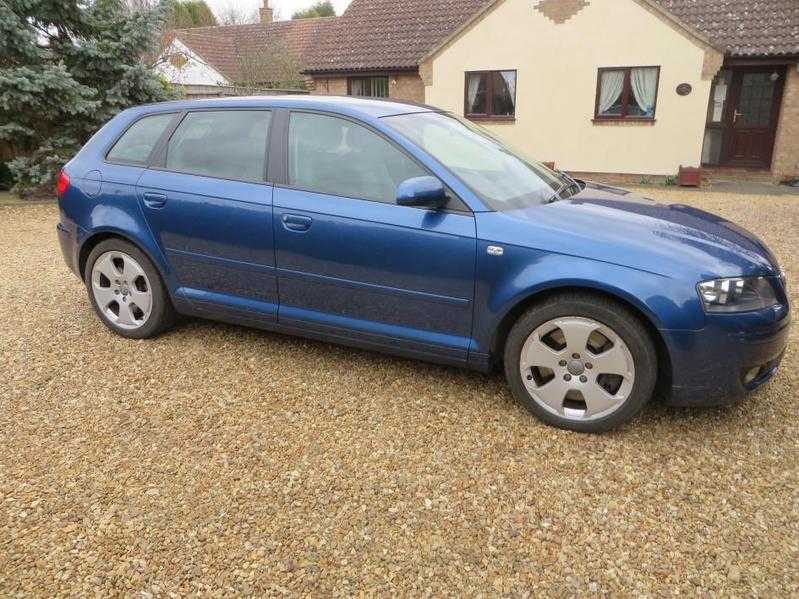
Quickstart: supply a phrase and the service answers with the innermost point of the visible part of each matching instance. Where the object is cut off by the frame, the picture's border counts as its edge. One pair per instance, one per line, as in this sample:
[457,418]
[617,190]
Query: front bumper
[709,367]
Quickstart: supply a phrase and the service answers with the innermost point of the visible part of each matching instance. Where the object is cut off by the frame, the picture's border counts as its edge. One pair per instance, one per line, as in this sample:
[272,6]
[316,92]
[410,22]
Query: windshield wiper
[556,196]
[568,184]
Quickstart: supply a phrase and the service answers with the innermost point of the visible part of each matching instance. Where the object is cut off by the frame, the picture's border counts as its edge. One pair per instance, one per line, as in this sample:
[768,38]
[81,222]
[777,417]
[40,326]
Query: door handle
[155,200]
[294,222]
[735,116]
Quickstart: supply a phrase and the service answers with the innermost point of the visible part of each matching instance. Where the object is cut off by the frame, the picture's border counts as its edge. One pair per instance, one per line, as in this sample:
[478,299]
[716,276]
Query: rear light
[62,183]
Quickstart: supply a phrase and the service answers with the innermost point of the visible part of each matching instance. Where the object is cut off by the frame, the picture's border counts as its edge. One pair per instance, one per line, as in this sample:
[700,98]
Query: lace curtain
[610,89]
[474,87]
[644,83]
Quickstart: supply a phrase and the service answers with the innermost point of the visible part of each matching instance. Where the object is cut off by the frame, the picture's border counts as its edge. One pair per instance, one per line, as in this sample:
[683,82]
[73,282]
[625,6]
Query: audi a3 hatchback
[400,228]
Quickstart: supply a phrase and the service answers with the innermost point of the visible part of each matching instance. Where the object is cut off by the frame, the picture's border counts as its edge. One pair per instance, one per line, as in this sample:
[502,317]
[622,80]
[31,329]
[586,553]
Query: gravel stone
[218,460]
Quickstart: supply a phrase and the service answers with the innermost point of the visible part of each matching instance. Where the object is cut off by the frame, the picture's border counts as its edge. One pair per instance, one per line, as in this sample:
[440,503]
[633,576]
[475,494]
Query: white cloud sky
[283,8]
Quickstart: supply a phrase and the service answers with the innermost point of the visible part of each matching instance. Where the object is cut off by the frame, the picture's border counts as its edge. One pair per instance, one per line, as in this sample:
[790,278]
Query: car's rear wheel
[581,362]
[126,290]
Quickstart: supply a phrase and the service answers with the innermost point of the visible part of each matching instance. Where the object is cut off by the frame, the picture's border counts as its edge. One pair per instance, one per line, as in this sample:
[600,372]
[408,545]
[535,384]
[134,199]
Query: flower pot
[689,177]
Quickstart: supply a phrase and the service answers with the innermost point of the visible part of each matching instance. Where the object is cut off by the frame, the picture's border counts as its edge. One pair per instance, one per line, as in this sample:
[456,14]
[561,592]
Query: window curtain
[611,87]
[474,87]
[644,83]
[510,81]
[503,91]
[357,87]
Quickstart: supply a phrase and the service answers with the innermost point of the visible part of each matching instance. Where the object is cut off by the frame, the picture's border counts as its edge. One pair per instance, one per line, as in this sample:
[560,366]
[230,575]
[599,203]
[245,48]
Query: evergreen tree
[323,8]
[67,67]
[185,14]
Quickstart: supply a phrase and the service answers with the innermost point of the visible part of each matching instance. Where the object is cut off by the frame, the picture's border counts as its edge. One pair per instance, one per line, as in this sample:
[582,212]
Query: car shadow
[655,416]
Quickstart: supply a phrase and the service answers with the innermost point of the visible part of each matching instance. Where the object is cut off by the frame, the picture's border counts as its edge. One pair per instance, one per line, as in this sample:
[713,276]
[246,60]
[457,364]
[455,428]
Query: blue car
[400,228]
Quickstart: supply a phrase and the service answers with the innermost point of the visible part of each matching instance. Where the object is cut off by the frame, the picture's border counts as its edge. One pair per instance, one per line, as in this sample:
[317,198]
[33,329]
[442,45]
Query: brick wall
[409,86]
[401,86]
[329,86]
[560,11]
[786,148]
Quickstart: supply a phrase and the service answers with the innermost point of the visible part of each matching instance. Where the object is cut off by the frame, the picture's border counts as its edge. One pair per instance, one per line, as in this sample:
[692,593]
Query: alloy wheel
[577,368]
[122,290]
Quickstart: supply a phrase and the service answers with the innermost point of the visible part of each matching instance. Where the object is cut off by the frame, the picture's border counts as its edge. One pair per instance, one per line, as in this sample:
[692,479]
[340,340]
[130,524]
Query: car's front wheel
[126,290]
[581,362]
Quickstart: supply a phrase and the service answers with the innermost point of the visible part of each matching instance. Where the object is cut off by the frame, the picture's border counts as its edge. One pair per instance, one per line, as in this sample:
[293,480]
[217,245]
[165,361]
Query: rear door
[353,263]
[208,203]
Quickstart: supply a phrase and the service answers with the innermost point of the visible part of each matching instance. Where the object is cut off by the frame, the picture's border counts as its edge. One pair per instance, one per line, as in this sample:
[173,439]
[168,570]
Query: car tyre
[631,352]
[138,277]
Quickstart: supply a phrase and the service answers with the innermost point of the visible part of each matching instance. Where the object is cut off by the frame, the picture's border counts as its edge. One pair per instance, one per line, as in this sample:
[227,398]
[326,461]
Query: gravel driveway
[221,460]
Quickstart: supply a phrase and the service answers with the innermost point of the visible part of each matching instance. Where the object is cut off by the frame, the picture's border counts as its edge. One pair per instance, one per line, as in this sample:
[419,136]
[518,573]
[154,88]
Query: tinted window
[135,145]
[338,157]
[225,144]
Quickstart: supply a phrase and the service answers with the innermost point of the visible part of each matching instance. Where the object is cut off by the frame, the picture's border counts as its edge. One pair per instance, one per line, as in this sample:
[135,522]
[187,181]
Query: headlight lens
[737,295]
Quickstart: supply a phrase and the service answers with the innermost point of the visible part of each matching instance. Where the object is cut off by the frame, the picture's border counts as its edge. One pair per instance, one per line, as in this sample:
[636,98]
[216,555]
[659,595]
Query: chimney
[265,12]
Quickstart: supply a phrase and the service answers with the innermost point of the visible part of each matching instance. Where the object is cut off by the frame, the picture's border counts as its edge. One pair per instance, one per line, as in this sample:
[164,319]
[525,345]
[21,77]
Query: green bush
[6,178]
[66,68]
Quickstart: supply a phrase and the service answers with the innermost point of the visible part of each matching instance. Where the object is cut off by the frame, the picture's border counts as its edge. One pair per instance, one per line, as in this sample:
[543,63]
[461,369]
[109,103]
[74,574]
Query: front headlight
[737,295]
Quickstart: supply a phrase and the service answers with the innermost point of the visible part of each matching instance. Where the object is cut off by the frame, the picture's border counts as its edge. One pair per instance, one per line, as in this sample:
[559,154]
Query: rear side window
[338,157]
[135,146]
[227,144]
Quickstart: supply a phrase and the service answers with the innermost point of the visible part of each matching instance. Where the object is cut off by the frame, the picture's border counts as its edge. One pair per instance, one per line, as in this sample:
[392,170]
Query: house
[268,54]
[630,87]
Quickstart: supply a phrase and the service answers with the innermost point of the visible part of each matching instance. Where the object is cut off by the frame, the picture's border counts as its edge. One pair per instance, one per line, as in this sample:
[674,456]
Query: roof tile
[743,27]
[224,47]
[388,34]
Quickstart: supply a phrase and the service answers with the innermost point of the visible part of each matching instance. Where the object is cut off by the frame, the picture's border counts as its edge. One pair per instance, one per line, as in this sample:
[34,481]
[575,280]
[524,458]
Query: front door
[351,262]
[751,117]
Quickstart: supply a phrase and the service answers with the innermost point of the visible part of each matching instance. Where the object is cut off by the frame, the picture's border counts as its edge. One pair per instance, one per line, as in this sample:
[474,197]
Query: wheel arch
[502,330]
[97,237]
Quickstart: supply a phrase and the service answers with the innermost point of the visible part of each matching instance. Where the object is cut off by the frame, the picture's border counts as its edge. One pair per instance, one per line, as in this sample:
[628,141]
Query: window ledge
[491,119]
[621,122]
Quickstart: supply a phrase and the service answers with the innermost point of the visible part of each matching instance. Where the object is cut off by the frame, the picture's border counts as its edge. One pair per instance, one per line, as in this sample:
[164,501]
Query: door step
[735,175]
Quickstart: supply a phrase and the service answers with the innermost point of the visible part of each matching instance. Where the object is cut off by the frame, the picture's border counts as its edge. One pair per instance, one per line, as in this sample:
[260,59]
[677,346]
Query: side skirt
[327,334]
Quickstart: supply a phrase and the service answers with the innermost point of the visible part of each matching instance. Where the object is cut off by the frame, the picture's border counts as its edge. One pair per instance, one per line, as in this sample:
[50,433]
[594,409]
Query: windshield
[500,177]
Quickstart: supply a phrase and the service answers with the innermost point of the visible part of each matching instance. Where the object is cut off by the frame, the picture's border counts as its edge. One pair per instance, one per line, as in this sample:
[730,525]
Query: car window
[135,146]
[226,144]
[338,157]
[504,179]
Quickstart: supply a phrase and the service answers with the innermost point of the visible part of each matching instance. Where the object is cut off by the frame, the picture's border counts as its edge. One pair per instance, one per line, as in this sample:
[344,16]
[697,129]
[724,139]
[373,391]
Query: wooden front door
[751,117]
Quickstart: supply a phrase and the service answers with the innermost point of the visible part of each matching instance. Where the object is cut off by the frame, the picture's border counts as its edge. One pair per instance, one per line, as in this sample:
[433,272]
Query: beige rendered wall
[785,163]
[557,79]
[401,86]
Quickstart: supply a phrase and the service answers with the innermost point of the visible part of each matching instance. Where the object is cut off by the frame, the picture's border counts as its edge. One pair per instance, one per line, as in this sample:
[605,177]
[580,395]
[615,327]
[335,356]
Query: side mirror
[428,192]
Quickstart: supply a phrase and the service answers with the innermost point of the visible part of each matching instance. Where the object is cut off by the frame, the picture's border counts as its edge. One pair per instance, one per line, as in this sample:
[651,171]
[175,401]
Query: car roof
[345,105]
